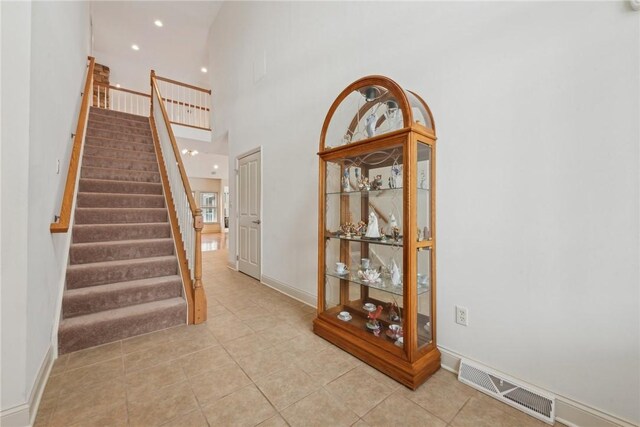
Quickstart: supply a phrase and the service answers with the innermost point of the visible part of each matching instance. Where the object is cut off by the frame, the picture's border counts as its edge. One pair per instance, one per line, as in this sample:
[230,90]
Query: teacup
[341,267]
[396,330]
[365,262]
[345,314]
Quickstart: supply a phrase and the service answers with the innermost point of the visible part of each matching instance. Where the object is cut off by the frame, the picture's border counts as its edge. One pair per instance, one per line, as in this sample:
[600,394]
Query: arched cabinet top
[373,106]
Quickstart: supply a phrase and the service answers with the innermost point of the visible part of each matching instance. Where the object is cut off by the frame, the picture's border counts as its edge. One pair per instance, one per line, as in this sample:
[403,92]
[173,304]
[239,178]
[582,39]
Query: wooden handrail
[64,219]
[121,89]
[174,145]
[175,82]
[190,126]
[173,101]
[197,297]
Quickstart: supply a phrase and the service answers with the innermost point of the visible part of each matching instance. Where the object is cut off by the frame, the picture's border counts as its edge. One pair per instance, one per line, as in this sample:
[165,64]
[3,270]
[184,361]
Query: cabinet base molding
[409,374]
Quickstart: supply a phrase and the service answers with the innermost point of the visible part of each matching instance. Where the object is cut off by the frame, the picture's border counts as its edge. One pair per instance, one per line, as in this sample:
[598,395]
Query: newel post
[199,299]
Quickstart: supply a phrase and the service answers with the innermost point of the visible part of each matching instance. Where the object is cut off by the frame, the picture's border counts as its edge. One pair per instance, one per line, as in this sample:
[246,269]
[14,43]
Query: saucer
[345,319]
[369,307]
[341,274]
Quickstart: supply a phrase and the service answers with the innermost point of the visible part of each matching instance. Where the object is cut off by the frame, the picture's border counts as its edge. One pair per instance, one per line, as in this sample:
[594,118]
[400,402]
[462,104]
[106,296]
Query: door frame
[255,150]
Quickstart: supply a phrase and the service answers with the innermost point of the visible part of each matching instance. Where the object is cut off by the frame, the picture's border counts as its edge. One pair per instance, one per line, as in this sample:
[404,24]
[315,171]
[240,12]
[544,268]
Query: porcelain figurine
[371,125]
[391,183]
[345,181]
[393,222]
[369,275]
[422,183]
[373,322]
[373,230]
[426,234]
[376,184]
[363,184]
[393,312]
[395,274]
[420,235]
[396,175]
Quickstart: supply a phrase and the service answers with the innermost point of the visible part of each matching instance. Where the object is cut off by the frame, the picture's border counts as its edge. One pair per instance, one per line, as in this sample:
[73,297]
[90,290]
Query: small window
[209,206]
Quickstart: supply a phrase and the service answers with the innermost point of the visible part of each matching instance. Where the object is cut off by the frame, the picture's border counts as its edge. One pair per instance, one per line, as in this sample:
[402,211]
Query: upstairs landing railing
[185,104]
[186,216]
[120,99]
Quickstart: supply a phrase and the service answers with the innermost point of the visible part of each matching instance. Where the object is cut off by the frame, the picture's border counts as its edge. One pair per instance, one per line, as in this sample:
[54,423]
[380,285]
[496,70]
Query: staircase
[123,277]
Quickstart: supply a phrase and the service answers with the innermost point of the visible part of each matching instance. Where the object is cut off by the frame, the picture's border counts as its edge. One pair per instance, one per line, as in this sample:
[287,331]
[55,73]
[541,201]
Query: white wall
[47,54]
[16,42]
[536,106]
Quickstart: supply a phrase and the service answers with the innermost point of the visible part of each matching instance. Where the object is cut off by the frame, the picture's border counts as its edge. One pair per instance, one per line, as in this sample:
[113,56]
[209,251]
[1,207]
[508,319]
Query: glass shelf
[383,285]
[374,192]
[387,242]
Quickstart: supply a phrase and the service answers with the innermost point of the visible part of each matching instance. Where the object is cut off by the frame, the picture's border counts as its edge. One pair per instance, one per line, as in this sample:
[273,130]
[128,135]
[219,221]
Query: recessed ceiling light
[135,47]
[189,152]
[158,23]
[203,69]
[215,166]
[185,151]
[117,84]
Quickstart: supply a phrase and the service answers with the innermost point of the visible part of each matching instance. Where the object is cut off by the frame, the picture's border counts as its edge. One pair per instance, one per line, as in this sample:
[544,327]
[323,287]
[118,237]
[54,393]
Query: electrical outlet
[462,316]
[58,167]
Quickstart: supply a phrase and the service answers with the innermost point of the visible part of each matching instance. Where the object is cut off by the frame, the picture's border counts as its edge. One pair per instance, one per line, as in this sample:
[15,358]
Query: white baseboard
[297,294]
[24,415]
[232,265]
[568,411]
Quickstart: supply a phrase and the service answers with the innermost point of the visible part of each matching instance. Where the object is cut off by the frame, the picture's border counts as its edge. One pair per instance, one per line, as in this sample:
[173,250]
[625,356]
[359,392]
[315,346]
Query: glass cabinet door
[364,280]
[424,252]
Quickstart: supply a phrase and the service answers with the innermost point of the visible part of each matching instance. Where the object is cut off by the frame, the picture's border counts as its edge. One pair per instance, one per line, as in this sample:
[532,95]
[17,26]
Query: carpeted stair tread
[118,121]
[140,129]
[103,327]
[83,301]
[119,215]
[92,252]
[115,163]
[123,277]
[113,232]
[118,114]
[100,273]
[115,200]
[119,174]
[107,186]
[115,153]
[96,141]
[119,136]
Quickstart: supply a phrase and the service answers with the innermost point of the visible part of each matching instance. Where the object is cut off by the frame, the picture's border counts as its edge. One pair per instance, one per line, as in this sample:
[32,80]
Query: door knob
[256,222]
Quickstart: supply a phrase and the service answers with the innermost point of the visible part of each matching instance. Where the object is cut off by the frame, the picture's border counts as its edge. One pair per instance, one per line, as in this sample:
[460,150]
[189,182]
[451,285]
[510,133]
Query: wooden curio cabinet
[377,240]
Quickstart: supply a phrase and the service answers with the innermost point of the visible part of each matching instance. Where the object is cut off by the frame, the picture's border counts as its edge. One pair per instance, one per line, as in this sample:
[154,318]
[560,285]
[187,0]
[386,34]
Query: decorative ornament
[373,231]
[376,184]
[423,181]
[395,274]
[371,125]
[396,175]
[346,187]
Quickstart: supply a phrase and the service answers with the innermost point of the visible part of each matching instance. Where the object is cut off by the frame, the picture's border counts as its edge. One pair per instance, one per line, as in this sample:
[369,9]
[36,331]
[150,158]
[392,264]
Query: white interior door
[249,227]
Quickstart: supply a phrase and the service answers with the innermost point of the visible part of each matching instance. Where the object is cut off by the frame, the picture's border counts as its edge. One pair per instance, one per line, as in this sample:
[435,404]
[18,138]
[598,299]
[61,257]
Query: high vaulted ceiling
[177,50]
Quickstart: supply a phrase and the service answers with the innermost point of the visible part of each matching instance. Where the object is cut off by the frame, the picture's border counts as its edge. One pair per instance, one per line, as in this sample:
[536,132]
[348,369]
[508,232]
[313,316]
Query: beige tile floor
[254,362]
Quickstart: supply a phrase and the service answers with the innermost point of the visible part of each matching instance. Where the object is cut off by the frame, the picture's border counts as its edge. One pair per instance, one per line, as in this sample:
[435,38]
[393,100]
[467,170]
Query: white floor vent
[525,398]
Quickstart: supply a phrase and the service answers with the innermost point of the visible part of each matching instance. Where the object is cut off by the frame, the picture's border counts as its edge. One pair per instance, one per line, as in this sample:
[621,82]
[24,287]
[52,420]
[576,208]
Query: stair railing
[62,221]
[185,214]
[186,104]
[120,99]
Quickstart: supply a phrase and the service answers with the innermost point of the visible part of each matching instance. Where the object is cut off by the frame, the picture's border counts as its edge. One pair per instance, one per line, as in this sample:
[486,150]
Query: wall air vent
[534,402]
